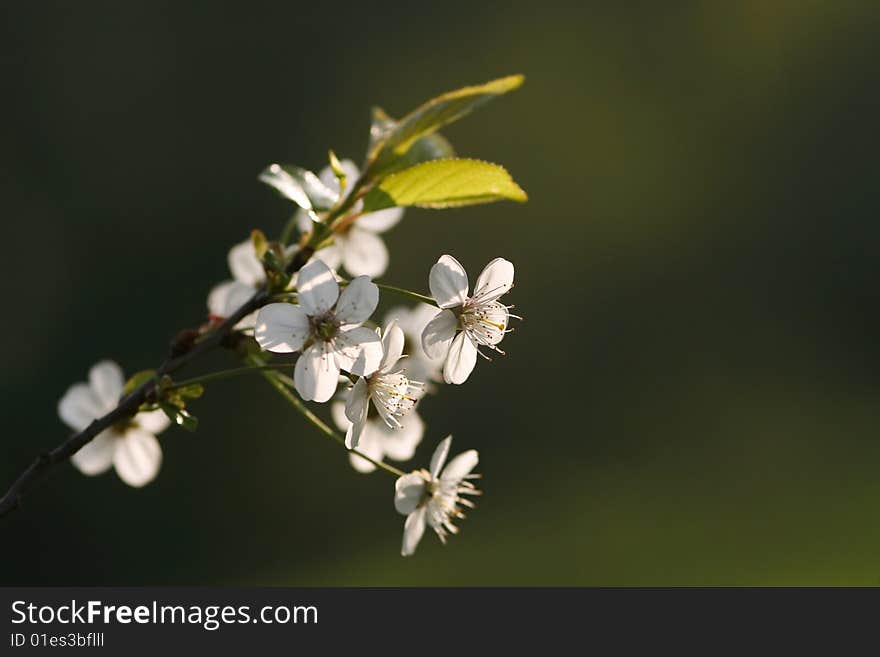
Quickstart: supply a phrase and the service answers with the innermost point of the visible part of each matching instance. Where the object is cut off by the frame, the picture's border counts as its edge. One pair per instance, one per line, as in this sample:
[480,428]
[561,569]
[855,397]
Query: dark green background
[692,398]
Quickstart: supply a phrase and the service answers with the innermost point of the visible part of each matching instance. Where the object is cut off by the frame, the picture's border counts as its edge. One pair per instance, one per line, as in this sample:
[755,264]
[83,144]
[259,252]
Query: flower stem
[276,380]
[226,374]
[402,292]
[288,231]
[407,293]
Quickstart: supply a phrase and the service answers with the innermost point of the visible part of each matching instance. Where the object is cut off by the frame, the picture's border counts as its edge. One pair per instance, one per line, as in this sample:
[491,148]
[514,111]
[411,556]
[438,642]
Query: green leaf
[338,171]
[299,185]
[380,127]
[137,380]
[444,184]
[429,147]
[391,143]
[258,239]
[180,416]
[192,391]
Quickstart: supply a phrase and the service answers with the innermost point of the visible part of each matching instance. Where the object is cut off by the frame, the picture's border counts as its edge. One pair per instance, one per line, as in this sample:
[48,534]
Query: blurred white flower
[130,446]
[392,392]
[412,322]
[327,327]
[433,497]
[247,274]
[379,441]
[358,247]
[479,320]
[248,277]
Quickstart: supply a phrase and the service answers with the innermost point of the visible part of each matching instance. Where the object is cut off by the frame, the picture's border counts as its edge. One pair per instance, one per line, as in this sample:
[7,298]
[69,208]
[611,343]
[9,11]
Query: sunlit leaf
[429,147]
[299,185]
[191,391]
[338,171]
[444,184]
[391,143]
[258,239]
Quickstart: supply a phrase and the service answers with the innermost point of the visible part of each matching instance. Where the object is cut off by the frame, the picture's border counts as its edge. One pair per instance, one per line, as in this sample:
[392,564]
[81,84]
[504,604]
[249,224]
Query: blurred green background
[693,396]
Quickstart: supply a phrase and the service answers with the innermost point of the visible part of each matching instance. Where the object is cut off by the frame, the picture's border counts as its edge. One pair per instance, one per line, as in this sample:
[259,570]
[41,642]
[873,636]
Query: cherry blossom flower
[391,391]
[412,321]
[130,446]
[357,247]
[326,326]
[466,323]
[378,440]
[247,276]
[434,497]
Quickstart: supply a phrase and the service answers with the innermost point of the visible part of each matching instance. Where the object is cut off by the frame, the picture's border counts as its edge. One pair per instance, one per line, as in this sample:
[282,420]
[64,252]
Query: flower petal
[438,334]
[330,255]
[413,529]
[448,282]
[357,302]
[408,492]
[281,328]
[79,406]
[219,303]
[400,444]
[244,265]
[316,374]
[370,445]
[107,380]
[337,412]
[153,421]
[96,456]
[358,350]
[316,288]
[459,467]
[393,340]
[460,360]
[356,411]
[354,433]
[303,219]
[495,279]
[363,253]
[412,320]
[137,457]
[379,221]
[438,458]
[493,321]
[227,297]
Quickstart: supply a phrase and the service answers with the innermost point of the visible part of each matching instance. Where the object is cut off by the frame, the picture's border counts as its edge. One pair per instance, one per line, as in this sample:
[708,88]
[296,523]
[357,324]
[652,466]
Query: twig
[129,405]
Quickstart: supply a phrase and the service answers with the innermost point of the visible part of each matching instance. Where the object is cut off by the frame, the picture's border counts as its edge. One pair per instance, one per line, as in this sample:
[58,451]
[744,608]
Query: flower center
[485,323]
[123,425]
[325,327]
[394,395]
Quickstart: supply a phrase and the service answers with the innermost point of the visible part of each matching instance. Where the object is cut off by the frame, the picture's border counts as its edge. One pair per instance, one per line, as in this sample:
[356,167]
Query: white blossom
[390,390]
[466,323]
[378,440]
[130,446]
[326,326]
[412,321]
[434,497]
[357,247]
[247,276]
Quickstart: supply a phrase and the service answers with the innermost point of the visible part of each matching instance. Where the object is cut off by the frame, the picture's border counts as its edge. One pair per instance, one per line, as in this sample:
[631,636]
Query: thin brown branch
[129,405]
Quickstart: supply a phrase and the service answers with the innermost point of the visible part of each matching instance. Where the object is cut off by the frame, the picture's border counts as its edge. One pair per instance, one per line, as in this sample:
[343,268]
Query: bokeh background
[693,397]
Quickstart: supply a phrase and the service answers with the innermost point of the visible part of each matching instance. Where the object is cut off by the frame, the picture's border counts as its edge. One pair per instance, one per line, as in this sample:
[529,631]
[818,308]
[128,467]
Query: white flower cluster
[325,319]
[131,446]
